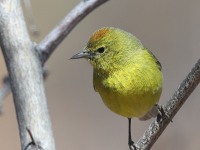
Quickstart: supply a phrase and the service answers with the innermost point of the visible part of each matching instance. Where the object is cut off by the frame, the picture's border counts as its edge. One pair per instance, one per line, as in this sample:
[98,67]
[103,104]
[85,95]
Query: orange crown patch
[99,34]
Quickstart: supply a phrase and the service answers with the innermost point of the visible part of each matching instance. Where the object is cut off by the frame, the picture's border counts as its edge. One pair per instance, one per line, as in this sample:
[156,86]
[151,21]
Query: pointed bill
[83,54]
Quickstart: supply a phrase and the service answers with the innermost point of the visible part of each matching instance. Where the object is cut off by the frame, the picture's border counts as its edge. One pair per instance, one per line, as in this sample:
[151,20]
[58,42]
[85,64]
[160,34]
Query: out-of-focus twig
[32,25]
[56,36]
[4,91]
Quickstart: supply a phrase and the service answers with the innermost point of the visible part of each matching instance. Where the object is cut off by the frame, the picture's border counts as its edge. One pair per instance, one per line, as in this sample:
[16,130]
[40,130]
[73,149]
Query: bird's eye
[101,49]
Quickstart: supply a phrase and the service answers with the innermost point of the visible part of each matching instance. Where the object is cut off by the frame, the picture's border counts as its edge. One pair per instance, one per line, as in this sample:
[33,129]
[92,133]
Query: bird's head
[109,48]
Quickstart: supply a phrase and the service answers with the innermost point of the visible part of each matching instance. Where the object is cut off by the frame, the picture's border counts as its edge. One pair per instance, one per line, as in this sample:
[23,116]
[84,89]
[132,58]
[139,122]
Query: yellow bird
[126,75]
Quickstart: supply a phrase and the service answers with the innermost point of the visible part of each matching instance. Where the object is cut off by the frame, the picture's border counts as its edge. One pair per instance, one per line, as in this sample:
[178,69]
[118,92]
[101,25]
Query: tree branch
[25,73]
[56,36]
[171,108]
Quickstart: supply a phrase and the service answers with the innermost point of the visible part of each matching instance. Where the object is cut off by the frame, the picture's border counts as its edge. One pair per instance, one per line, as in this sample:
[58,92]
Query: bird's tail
[152,113]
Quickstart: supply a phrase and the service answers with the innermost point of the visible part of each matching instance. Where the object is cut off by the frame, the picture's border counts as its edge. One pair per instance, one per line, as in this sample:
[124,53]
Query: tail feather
[152,113]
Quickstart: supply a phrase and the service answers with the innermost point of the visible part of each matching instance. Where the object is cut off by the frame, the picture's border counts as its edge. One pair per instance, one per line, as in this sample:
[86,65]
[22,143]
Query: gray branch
[171,108]
[57,35]
[26,72]
[26,78]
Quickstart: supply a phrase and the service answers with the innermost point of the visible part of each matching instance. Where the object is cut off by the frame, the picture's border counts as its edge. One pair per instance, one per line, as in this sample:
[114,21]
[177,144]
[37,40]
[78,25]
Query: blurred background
[170,29]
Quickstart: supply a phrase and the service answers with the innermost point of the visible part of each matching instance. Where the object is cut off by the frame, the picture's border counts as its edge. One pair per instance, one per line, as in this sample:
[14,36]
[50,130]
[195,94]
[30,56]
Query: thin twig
[33,145]
[56,36]
[4,91]
[171,108]
[31,135]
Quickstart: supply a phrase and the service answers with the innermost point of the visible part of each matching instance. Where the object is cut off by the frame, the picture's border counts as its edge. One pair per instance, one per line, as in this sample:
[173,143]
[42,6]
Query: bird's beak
[83,54]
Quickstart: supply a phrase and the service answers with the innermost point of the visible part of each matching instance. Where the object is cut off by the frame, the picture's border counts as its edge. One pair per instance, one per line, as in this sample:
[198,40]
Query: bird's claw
[132,145]
[162,114]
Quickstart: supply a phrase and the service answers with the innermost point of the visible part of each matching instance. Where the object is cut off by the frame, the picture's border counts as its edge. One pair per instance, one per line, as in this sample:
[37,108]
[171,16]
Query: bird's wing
[157,61]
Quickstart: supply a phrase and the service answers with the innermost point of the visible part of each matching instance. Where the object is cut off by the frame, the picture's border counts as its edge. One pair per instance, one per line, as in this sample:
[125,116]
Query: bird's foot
[162,114]
[131,145]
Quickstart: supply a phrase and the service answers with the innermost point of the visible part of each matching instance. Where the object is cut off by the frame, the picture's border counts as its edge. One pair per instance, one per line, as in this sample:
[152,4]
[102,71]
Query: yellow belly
[130,92]
[131,105]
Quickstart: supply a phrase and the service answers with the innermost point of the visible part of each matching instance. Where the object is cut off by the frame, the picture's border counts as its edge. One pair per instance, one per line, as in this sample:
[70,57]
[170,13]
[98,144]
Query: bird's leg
[130,141]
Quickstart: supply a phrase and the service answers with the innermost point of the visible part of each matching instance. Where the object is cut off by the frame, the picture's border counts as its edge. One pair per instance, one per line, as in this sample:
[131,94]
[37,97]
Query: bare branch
[5,90]
[56,36]
[171,108]
[25,73]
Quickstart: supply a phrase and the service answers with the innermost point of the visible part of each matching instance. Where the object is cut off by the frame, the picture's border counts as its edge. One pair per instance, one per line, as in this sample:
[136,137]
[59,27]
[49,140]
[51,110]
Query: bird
[127,75]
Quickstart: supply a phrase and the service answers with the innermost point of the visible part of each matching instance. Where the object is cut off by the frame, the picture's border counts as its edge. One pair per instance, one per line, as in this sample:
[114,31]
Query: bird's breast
[130,91]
